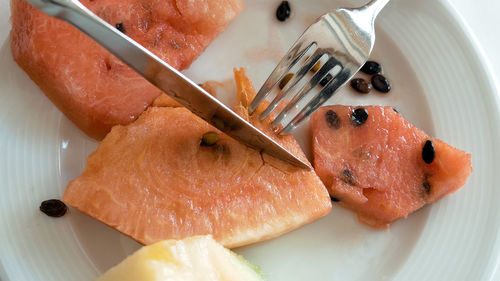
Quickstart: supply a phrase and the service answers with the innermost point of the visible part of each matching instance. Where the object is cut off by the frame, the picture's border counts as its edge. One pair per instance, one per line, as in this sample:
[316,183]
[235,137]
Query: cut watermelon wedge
[154,179]
[376,166]
[90,86]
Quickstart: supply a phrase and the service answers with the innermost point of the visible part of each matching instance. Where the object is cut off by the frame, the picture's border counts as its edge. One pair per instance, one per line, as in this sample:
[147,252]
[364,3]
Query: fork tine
[322,72]
[308,64]
[289,60]
[328,91]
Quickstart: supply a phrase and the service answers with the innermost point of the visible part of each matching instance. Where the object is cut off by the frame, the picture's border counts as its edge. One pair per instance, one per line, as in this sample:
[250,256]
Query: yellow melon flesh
[196,258]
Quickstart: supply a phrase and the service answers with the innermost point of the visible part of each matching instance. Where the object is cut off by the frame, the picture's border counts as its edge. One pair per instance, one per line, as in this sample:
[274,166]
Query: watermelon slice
[154,179]
[90,86]
[374,162]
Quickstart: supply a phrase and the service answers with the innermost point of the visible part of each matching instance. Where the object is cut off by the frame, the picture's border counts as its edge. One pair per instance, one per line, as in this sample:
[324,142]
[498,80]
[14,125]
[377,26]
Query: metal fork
[346,38]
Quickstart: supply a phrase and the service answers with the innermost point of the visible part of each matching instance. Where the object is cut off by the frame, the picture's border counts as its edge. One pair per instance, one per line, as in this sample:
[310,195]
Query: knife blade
[164,77]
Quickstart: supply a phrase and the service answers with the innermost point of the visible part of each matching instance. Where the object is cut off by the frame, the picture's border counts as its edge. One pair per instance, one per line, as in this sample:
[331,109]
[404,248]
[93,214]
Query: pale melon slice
[196,258]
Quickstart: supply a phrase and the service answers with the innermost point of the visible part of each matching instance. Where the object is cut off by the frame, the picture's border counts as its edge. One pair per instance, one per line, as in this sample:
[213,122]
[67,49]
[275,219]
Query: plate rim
[492,85]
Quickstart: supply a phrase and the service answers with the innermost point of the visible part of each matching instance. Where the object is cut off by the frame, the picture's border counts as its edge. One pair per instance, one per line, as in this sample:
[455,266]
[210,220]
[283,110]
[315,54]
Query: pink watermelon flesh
[90,86]
[376,169]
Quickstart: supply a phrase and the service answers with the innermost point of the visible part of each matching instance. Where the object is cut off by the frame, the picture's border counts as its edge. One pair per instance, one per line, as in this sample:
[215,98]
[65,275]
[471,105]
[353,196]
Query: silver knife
[165,77]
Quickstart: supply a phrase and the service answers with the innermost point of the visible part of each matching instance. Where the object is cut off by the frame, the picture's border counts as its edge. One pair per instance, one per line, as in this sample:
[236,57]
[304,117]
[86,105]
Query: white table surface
[481,15]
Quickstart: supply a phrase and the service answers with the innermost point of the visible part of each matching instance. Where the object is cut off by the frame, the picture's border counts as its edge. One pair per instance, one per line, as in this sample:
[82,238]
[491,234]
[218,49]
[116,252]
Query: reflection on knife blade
[161,74]
[212,110]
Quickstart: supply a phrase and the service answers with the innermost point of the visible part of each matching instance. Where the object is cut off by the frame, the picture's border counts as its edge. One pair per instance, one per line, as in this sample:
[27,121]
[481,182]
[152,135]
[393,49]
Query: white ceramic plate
[440,82]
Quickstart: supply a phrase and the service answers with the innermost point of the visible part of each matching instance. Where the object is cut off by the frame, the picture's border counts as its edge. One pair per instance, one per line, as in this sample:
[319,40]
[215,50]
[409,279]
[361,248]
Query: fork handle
[374,7]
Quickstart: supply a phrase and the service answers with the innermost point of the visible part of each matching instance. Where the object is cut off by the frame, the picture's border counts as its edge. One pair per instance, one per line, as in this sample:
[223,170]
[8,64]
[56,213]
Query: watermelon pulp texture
[154,180]
[376,168]
[90,86]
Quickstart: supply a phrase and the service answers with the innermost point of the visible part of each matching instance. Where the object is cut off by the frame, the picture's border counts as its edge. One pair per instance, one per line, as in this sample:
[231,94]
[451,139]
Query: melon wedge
[89,85]
[152,180]
[197,258]
[376,169]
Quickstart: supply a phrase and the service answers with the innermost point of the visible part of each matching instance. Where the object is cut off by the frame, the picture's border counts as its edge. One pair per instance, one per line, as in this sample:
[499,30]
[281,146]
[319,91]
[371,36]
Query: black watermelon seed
[347,177]
[380,83]
[359,116]
[120,27]
[427,187]
[53,208]
[371,67]
[283,12]
[334,199]
[428,152]
[361,86]
[332,119]
[395,110]
[325,80]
